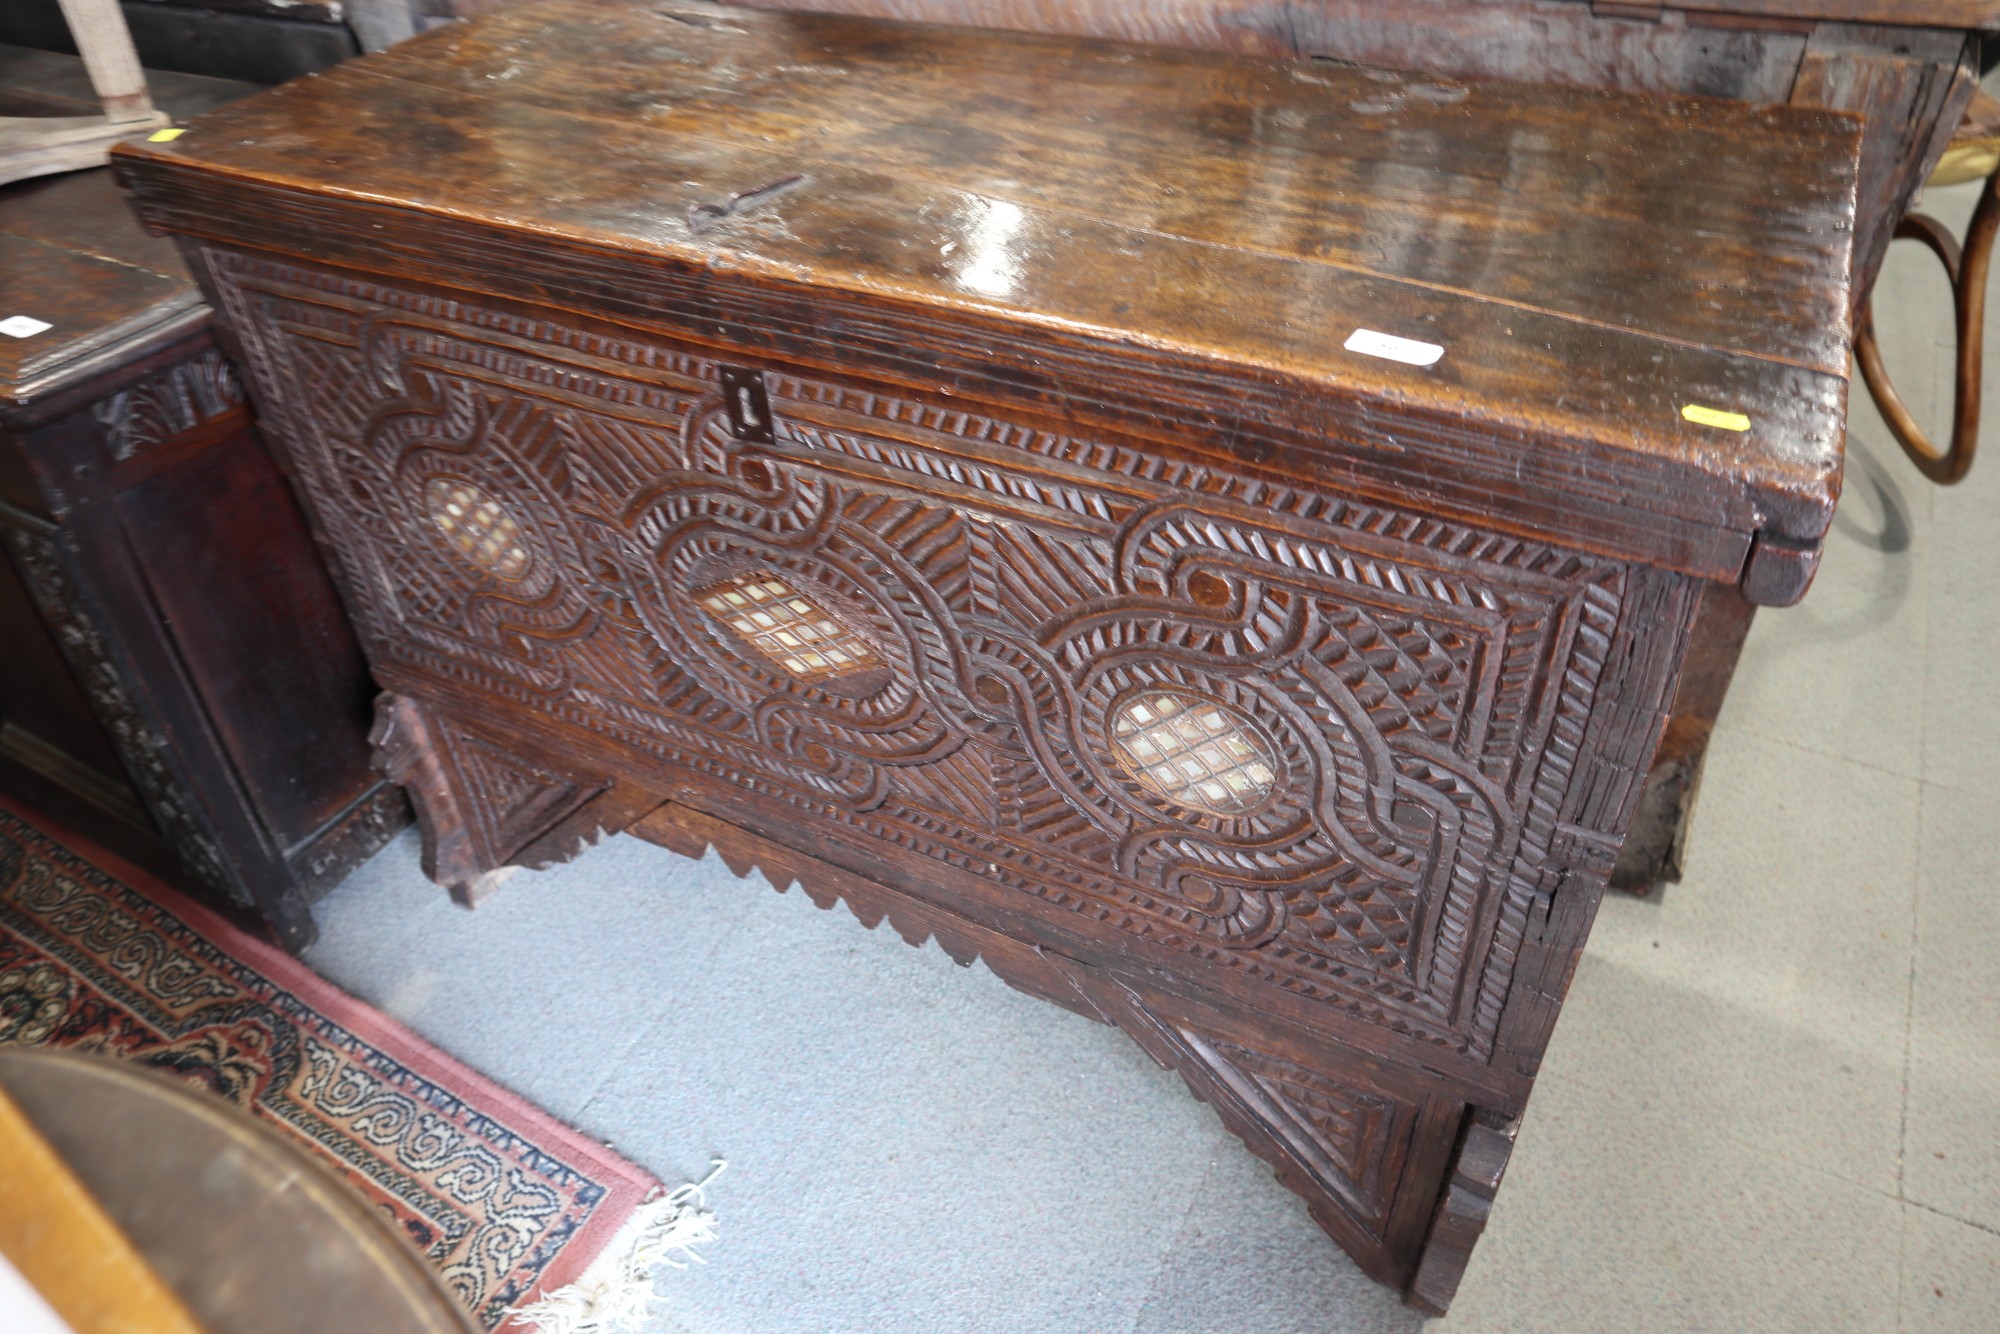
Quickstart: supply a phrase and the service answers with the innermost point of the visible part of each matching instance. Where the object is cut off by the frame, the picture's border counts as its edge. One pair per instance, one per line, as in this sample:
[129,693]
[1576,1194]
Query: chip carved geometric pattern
[480,806]
[510,799]
[1419,690]
[1347,1135]
[157,409]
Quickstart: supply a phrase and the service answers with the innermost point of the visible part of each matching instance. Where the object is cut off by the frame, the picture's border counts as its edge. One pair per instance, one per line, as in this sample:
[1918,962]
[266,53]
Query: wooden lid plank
[1592,264]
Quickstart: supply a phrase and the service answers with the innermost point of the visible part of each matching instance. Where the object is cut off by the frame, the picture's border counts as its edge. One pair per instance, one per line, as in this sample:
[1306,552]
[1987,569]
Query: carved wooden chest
[1908,68]
[1214,538]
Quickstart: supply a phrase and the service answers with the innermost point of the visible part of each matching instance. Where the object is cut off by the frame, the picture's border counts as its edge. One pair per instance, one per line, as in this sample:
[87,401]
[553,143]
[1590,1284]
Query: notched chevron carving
[1344,1133]
[1338,1143]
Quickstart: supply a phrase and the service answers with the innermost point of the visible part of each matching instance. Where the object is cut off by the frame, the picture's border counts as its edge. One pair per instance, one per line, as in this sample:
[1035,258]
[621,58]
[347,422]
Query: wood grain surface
[1150,638]
[1907,70]
[88,303]
[1295,28]
[1912,13]
[69,252]
[1592,262]
[63,1243]
[1262,22]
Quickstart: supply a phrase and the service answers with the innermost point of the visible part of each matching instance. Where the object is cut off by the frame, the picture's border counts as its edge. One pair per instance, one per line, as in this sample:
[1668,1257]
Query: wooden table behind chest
[1201,704]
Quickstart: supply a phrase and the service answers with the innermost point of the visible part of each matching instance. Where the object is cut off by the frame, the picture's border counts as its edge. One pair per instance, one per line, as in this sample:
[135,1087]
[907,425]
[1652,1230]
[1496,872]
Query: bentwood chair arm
[1967,268]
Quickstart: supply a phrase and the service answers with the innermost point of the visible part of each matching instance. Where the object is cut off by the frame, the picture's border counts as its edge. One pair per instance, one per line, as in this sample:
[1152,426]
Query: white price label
[1409,351]
[23,326]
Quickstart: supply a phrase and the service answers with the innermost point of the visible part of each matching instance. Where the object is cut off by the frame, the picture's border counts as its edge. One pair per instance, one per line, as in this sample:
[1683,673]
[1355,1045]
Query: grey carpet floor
[1773,1102]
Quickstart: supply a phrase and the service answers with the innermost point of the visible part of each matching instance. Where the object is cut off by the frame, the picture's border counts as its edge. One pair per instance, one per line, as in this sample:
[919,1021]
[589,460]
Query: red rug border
[629,1185]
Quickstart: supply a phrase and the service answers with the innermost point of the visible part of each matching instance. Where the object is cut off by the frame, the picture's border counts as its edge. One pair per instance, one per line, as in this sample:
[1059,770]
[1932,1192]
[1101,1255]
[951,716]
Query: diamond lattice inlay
[1194,752]
[478,527]
[786,627]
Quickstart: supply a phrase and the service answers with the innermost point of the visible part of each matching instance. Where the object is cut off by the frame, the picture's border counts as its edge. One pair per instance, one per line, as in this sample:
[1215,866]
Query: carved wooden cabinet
[177,680]
[1215,539]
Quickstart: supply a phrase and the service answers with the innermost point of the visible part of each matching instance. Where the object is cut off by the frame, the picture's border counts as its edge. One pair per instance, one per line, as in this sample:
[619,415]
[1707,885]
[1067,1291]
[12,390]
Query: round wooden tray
[251,1232]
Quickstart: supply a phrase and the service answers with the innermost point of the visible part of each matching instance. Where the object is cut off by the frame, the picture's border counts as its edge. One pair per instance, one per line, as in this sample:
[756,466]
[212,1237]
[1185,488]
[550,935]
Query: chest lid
[1613,320]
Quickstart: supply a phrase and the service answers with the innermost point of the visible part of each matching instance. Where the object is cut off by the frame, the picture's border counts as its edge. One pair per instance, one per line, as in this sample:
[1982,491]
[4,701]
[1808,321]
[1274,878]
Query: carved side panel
[1340,1145]
[1320,744]
[139,744]
[1348,1134]
[178,399]
[508,800]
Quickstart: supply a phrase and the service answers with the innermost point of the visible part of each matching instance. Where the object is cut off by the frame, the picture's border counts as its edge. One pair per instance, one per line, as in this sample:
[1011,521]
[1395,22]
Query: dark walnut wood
[180,683]
[1907,66]
[1656,846]
[927,465]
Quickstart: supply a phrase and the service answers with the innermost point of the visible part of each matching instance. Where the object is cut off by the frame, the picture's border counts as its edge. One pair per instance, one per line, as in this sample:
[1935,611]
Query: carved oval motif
[1194,752]
[478,528]
[787,628]
[1156,786]
[799,625]
[804,641]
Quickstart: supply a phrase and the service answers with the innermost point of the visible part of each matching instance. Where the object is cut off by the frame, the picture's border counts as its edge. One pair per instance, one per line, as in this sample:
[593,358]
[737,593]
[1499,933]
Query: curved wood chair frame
[1967,266]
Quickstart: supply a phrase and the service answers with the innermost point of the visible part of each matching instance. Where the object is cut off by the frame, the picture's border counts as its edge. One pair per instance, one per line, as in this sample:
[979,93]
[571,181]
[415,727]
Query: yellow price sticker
[1724,421]
[164,136]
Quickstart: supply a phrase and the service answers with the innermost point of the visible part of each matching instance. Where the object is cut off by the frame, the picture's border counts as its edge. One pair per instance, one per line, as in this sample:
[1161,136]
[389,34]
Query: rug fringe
[612,1295]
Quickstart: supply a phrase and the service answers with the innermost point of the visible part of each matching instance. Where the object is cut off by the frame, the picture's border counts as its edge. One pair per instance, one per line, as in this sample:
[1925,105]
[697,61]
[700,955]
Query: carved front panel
[1322,743]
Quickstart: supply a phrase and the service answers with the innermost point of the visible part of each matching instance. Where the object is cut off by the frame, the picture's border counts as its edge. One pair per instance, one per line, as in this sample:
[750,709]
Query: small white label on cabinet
[1409,351]
[23,326]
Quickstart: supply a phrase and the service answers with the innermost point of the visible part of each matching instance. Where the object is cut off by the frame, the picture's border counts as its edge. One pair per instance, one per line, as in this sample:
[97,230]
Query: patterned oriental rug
[97,956]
